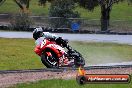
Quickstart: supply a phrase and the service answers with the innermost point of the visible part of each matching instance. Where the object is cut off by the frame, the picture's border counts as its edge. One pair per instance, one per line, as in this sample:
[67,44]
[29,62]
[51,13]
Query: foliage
[106,7]
[62,9]
[129,2]
[23,4]
[21,22]
[69,83]
[87,4]
[2,1]
[43,2]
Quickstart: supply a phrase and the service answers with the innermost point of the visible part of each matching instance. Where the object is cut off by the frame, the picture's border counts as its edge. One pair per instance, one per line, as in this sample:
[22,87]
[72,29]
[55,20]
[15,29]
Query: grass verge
[100,53]
[19,54]
[54,83]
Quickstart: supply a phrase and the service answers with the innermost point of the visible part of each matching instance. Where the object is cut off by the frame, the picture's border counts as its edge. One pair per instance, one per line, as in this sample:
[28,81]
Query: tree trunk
[104,18]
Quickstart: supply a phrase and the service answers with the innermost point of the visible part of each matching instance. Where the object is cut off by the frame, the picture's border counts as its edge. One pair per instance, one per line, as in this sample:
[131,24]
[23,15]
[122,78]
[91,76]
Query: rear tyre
[50,61]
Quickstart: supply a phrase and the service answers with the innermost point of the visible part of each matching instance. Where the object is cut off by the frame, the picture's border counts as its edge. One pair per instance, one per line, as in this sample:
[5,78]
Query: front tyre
[49,61]
[78,59]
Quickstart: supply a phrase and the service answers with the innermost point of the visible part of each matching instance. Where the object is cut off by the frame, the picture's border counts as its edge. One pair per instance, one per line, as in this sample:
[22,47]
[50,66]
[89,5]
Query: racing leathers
[50,36]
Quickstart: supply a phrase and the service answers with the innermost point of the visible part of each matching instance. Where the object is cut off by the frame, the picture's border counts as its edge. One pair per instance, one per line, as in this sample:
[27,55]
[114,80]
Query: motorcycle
[54,55]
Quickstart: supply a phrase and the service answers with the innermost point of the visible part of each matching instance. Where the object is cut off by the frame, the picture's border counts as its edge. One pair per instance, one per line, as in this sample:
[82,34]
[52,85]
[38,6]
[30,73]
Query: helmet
[37,33]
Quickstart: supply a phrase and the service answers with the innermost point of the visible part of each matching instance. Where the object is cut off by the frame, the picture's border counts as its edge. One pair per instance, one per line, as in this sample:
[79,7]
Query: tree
[43,2]
[22,21]
[23,4]
[62,9]
[2,1]
[129,2]
[106,7]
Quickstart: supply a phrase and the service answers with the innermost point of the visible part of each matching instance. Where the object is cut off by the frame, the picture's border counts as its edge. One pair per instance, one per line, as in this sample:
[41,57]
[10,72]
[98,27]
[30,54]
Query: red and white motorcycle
[55,56]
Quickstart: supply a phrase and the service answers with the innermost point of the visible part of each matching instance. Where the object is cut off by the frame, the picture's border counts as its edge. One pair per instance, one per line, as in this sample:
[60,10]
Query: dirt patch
[7,80]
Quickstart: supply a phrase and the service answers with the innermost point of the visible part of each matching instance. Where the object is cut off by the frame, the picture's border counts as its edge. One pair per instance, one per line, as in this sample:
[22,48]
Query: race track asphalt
[122,39]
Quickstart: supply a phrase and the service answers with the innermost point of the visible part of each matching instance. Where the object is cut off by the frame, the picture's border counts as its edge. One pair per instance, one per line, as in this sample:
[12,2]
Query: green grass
[119,11]
[99,53]
[10,7]
[54,83]
[19,54]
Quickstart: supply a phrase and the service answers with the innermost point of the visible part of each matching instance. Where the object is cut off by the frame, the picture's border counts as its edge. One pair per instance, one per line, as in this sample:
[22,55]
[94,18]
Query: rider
[38,35]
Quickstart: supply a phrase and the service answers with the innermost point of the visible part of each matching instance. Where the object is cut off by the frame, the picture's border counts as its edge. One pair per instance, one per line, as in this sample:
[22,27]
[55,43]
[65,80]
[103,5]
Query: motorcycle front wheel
[50,61]
[78,59]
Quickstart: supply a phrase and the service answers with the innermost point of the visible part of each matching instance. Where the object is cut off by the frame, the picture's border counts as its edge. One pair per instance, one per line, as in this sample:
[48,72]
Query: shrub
[21,22]
[62,9]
